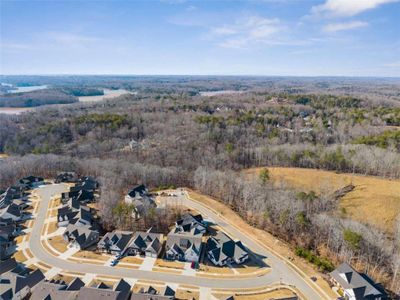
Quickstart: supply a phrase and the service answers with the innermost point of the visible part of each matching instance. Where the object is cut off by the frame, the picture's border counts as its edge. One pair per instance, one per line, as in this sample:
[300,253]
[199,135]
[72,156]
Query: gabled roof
[80,233]
[145,241]
[222,246]
[362,286]
[8,265]
[139,189]
[75,284]
[11,209]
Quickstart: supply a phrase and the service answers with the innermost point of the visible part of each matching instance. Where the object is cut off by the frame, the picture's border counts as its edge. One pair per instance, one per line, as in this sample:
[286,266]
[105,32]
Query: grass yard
[374,200]
[131,260]
[58,243]
[187,295]
[169,264]
[20,256]
[96,282]
[91,255]
[275,294]
[51,227]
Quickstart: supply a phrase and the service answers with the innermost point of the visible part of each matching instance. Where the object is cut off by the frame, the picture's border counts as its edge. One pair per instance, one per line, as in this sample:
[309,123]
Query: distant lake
[24,89]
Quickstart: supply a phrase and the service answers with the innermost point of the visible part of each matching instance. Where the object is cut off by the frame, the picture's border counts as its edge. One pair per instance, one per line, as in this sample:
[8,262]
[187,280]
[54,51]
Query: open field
[14,110]
[374,200]
[108,94]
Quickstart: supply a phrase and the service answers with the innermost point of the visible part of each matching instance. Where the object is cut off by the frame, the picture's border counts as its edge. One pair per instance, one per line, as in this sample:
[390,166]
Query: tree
[264,175]
[352,238]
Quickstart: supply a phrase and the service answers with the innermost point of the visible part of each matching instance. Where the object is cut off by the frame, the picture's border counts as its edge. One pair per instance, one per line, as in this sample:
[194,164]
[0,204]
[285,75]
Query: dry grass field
[374,200]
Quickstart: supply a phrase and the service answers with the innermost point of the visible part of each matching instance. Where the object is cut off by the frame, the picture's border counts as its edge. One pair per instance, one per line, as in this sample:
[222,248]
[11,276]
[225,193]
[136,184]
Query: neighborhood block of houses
[185,242]
[13,205]
[18,282]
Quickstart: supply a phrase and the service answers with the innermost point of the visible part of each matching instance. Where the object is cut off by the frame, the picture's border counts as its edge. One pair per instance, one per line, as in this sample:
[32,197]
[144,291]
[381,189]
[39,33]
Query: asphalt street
[280,271]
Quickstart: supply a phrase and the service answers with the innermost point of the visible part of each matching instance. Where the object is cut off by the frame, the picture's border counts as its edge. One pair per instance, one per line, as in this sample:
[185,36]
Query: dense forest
[36,98]
[170,135]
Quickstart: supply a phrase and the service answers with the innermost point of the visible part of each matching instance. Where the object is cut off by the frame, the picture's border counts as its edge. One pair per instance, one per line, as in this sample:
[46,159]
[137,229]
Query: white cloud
[247,31]
[334,27]
[347,8]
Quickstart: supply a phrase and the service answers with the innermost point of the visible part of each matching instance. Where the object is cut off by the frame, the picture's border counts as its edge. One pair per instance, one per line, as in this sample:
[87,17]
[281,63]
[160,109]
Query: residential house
[151,293]
[8,265]
[142,201]
[222,250]
[77,197]
[120,291]
[114,242]
[12,212]
[145,244]
[31,182]
[191,223]
[86,183]
[356,286]
[183,246]
[80,236]
[56,290]
[82,216]
[17,286]
[7,242]
[69,177]
[12,193]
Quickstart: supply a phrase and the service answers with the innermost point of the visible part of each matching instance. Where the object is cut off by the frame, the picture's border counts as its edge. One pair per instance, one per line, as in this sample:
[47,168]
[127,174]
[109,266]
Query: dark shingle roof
[362,286]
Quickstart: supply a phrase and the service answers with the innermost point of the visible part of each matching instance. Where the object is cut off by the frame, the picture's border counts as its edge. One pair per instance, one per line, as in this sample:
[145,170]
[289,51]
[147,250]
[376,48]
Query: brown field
[374,200]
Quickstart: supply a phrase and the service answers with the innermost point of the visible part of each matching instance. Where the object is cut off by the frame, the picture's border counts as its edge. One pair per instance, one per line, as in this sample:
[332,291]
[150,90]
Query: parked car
[113,262]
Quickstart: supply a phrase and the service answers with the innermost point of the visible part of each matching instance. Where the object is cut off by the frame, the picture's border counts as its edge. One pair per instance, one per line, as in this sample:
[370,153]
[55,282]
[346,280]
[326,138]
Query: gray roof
[116,238]
[181,241]
[80,233]
[363,287]
[7,265]
[146,241]
[120,291]
[152,294]
[12,283]
[221,246]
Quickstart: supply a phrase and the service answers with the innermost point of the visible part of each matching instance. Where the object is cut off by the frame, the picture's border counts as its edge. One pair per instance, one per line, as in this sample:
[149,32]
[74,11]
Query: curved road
[280,270]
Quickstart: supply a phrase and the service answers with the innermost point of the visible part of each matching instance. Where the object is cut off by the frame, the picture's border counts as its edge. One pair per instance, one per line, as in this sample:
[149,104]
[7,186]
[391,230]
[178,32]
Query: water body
[24,89]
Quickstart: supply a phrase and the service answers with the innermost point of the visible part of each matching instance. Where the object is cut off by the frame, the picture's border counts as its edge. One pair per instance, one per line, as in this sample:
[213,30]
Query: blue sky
[254,37]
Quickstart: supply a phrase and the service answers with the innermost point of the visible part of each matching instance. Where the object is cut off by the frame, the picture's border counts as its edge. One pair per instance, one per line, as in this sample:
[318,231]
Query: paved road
[279,269]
